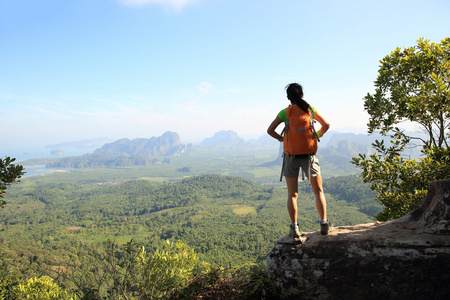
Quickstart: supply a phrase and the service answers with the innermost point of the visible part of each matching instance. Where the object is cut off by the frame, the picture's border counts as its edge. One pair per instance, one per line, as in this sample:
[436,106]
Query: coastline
[38,170]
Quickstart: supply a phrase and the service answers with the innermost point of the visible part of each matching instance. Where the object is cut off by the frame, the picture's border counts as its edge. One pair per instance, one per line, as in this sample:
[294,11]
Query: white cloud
[205,87]
[176,5]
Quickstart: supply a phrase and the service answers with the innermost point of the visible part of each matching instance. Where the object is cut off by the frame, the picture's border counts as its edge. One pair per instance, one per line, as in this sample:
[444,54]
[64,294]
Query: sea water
[23,155]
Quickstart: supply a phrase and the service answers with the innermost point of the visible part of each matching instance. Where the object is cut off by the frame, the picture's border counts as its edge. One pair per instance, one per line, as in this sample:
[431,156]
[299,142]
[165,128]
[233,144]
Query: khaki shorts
[293,164]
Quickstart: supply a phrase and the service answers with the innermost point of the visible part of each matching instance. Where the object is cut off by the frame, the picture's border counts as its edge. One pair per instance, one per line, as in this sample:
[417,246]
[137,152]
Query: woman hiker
[300,147]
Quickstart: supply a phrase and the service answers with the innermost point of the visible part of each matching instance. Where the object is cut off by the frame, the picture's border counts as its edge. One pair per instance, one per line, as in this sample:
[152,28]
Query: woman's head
[295,94]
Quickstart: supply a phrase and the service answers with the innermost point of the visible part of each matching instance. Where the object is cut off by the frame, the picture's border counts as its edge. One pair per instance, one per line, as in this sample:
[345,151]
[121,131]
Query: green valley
[228,210]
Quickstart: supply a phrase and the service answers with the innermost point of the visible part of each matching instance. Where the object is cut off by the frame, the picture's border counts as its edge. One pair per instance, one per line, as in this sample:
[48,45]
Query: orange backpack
[299,134]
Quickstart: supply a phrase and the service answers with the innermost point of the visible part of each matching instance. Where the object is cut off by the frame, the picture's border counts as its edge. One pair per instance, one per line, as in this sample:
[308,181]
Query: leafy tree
[166,270]
[412,86]
[42,288]
[128,271]
[8,175]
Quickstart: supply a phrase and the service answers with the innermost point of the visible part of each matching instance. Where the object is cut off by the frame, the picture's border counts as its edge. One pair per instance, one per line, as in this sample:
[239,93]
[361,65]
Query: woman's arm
[323,122]
[272,127]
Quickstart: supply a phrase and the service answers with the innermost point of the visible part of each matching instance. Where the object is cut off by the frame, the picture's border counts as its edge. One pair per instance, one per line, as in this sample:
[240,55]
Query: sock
[294,224]
[324,221]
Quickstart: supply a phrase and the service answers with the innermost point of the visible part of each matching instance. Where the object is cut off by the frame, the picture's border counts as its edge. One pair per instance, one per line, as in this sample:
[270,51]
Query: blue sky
[85,69]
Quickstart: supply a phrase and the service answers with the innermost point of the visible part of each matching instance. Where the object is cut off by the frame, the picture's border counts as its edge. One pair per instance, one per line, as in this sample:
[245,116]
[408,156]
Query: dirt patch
[73,228]
[243,209]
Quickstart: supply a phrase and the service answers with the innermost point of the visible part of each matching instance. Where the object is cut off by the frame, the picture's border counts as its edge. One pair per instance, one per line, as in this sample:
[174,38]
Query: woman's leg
[321,204]
[292,185]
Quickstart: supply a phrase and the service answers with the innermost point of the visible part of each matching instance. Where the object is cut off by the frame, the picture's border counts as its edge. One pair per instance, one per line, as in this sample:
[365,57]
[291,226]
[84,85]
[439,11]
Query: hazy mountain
[125,152]
[168,144]
[333,138]
[225,138]
[336,152]
[264,141]
[335,148]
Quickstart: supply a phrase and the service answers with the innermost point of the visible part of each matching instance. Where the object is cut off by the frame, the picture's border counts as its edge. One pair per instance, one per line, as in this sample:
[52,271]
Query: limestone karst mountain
[125,152]
[167,144]
[223,138]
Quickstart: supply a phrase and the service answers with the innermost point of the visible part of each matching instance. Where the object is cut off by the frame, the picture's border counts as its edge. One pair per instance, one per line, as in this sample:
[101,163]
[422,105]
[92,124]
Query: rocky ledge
[406,258]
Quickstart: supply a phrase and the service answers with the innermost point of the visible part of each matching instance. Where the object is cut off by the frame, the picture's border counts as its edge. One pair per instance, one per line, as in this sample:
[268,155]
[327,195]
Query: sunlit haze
[87,69]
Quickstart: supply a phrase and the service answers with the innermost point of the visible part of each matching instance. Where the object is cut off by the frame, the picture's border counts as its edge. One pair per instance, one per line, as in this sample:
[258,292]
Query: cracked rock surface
[399,259]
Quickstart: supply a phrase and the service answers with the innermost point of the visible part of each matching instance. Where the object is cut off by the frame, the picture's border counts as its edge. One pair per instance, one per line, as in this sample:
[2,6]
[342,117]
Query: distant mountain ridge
[125,152]
[222,138]
[168,144]
[334,148]
[229,138]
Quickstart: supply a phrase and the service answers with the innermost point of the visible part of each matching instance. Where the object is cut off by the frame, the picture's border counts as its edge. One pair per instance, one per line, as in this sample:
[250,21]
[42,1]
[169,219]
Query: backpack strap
[286,127]
[311,124]
[282,167]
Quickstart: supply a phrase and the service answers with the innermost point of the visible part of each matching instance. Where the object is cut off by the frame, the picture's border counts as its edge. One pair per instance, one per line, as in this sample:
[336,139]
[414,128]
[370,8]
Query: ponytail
[295,93]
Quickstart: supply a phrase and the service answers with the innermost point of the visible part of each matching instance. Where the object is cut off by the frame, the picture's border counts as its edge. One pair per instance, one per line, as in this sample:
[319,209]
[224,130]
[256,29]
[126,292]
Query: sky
[87,69]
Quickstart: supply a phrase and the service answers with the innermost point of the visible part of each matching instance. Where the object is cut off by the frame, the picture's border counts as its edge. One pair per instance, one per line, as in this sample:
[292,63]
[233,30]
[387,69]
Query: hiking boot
[294,231]
[294,236]
[325,227]
[290,240]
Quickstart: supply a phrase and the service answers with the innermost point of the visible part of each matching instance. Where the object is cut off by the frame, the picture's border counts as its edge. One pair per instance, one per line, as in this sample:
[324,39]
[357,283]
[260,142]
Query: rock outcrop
[406,258]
